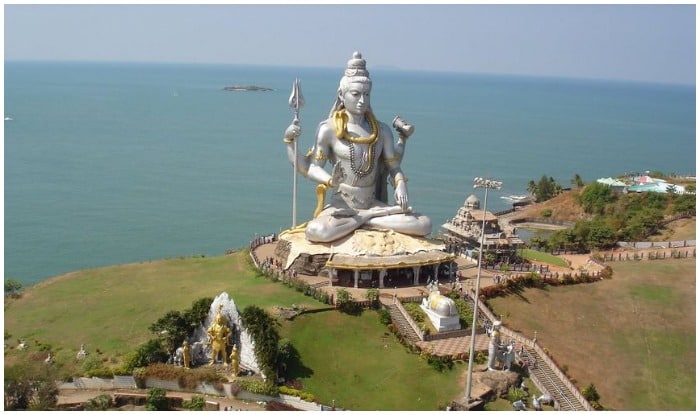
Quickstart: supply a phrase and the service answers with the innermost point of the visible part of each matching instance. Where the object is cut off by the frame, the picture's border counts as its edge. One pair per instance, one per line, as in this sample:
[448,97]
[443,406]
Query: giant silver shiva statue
[363,158]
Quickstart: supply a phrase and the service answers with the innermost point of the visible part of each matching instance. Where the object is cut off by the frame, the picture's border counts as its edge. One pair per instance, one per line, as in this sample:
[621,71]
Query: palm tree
[532,187]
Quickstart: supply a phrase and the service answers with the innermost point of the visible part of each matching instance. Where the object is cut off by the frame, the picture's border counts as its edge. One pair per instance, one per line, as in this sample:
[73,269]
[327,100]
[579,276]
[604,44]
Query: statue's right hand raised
[292,132]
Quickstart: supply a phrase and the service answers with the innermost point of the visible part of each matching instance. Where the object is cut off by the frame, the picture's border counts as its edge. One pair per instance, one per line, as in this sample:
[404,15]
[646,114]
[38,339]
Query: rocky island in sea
[237,88]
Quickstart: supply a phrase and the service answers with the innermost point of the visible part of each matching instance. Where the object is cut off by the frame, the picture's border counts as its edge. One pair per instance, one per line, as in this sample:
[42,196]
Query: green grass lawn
[355,361]
[347,358]
[533,255]
[111,308]
[632,336]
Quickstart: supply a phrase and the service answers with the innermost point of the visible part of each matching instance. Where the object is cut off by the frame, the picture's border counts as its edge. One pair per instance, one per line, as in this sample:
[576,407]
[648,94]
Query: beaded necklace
[340,119]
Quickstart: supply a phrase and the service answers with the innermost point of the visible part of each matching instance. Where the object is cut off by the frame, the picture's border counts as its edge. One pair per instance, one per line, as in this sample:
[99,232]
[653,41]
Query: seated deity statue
[362,155]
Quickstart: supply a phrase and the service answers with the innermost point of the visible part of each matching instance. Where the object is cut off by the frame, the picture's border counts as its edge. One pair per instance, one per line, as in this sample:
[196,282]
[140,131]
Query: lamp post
[486,184]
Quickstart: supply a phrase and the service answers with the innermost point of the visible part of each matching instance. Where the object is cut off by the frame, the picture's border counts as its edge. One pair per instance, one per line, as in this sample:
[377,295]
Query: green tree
[642,224]
[537,242]
[343,298]
[563,239]
[172,328]
[515,394]
[92,363]
[30,386]
[465,311]
[590,393]
[372,296]
[45,395]
[156,400]
[149,352]
[384,316]
[532,187]
[287,355]
[198,312]
[19,389]
[594,198]
[99,403]
[12,287]
[577,181]
[600,235]
[263,329]
[545,189]
[489,258]
[195,404]
[684,203]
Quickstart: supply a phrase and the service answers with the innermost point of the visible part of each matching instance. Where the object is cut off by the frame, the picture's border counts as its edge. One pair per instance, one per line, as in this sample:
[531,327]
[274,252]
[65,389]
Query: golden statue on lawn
[218,334]
[235,361]
[186,354]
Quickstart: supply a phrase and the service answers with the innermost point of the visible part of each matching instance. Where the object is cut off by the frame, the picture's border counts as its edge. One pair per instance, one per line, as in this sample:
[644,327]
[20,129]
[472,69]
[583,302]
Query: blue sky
[651,43]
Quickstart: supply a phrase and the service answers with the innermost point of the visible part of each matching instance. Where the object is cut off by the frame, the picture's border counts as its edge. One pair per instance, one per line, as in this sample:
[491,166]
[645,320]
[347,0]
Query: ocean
[109,163]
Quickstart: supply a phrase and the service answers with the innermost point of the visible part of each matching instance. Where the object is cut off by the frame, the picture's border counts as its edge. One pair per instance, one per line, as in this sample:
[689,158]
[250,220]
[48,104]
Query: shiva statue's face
[356,97]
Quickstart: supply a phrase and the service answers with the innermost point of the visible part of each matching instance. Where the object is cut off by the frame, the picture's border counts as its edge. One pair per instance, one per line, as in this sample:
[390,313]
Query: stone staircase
[403,327]
[542,374]
[552,384]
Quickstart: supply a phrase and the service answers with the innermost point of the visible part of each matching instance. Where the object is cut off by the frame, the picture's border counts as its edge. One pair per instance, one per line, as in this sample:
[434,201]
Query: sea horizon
[119,162]
[382,68]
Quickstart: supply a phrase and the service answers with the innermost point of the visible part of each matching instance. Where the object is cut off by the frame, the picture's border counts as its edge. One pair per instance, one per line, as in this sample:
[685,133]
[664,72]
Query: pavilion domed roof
[472,202]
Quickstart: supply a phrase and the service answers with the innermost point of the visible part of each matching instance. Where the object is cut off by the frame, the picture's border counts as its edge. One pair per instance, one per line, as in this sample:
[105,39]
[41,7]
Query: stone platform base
[364,249]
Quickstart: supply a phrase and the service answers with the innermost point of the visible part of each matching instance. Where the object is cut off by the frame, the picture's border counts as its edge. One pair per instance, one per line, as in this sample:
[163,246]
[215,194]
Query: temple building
[464,230]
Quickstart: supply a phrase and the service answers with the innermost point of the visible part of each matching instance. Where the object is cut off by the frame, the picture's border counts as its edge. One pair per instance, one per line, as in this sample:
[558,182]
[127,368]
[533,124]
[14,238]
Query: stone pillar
[382,274]
[331,274]
[357,276]
[435,271]
[416,275]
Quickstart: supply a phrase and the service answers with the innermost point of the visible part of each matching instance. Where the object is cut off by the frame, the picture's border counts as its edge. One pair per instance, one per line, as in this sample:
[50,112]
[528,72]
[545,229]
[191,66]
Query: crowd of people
[458,249]
[271,264]
[261,240]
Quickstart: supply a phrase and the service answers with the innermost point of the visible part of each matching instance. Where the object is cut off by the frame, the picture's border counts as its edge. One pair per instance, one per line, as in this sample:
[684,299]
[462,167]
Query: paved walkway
[442,347]
[455,345]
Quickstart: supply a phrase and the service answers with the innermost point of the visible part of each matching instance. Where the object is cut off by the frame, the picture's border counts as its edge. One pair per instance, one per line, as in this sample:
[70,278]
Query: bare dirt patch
[563,207]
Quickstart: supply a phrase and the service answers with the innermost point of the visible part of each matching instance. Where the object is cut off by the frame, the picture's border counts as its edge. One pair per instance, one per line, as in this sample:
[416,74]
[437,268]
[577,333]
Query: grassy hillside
[633,336]
[347,358]
[111,308]
[563,207]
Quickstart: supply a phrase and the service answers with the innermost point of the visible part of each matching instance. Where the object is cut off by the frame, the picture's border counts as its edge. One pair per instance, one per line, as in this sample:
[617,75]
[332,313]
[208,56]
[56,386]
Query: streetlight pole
[486,184]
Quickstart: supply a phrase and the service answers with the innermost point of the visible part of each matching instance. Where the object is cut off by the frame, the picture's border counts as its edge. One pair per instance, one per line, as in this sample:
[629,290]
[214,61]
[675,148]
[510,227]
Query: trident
[296,101]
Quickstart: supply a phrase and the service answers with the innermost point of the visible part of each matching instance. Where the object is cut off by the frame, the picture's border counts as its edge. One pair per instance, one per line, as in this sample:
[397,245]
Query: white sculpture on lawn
[441,310]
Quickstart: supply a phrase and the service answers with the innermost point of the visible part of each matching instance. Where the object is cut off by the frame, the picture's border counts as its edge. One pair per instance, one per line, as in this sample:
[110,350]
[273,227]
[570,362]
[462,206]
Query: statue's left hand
[401,195]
